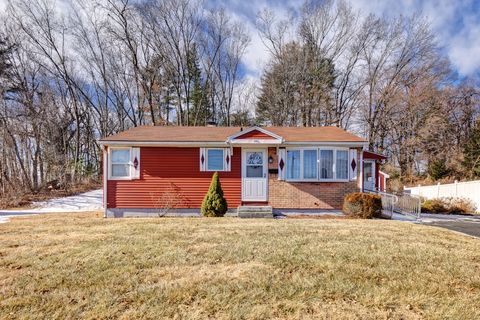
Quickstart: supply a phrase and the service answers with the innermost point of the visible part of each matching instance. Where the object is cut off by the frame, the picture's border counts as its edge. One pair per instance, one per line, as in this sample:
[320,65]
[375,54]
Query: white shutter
[353,164]
[227,159]
[282,164]
[135,163]
[203,160]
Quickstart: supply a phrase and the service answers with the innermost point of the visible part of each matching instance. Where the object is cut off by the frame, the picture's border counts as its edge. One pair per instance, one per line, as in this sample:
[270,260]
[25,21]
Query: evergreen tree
[471,152]
[214,204]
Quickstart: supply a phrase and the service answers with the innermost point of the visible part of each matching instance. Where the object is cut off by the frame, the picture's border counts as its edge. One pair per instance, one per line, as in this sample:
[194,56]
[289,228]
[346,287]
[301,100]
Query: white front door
[254,175]
[369,175]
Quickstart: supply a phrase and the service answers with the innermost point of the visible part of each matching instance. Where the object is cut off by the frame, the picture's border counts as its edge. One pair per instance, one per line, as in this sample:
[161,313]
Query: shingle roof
[220,134]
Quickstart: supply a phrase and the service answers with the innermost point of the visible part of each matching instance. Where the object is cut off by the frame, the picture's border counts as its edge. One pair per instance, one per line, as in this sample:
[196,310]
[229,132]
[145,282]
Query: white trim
[105,179]
[241,133]
[361,171]
[219,144]
[110,177]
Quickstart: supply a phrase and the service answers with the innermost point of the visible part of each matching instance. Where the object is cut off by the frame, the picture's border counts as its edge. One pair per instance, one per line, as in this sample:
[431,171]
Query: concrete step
[255,212]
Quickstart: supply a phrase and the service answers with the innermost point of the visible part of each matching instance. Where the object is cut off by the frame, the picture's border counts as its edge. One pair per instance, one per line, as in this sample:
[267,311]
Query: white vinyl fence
[469,190]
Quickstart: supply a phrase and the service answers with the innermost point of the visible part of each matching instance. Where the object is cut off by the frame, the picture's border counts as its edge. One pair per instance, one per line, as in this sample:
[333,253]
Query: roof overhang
[235,140]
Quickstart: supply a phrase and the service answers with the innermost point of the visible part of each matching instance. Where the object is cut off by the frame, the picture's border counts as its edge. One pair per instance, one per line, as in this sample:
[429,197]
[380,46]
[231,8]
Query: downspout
[105,179]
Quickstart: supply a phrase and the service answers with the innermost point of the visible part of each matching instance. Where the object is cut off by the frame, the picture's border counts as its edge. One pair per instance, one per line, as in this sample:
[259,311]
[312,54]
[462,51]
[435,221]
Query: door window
[254,164]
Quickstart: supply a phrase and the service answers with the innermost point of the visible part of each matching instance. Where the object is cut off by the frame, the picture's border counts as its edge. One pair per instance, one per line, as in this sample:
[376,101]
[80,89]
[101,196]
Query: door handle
[264,175]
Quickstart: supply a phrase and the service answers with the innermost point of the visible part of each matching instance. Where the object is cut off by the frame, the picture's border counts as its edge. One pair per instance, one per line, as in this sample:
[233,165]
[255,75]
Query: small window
[293,164]
[120,163]
[310,164]
[342,164]
[326,164]
[215,159]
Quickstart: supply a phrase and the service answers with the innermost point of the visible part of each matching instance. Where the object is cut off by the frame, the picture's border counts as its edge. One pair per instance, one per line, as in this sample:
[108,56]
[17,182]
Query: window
[254,164]
[320,164]
[120,163]
[310,164]
[326,164]
[215,159]
[293,164]
[342,164]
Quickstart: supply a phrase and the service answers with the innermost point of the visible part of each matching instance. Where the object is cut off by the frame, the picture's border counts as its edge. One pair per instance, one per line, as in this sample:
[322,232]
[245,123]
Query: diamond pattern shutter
[227,160]
[282,165]
[203,160]
[353,164]
[135,163]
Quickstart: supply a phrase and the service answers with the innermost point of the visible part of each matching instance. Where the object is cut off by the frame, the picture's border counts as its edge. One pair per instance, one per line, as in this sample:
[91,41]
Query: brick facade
[305,195]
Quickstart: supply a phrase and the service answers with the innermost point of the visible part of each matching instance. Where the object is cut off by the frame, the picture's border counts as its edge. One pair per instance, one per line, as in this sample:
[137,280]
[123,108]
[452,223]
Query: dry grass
[77,266]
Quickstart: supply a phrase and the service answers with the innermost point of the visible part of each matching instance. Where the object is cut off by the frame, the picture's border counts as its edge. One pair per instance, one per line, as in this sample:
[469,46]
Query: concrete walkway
[88,201]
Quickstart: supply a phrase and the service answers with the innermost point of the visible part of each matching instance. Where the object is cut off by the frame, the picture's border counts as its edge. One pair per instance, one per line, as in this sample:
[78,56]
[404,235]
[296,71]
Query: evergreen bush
[214,204]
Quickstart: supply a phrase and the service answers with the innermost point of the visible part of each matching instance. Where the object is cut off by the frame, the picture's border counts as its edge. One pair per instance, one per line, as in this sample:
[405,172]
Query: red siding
[173,176]
[255,134]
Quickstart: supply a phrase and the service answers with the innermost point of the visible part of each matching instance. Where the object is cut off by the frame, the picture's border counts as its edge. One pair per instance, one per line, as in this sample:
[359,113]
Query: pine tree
[471,152]
[214,204]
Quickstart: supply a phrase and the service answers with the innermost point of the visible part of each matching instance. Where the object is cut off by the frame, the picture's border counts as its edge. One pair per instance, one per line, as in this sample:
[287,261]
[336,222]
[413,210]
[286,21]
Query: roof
[221,134]
[373,155]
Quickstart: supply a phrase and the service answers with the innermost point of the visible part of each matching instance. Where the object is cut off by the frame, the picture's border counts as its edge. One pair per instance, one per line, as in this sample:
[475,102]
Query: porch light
[270,159]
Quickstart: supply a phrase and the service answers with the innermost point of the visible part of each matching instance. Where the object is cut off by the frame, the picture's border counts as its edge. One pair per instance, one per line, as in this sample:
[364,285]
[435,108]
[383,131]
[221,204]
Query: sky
[456,24]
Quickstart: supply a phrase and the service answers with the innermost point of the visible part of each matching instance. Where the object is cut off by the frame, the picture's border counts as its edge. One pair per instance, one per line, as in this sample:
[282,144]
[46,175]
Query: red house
[148,168]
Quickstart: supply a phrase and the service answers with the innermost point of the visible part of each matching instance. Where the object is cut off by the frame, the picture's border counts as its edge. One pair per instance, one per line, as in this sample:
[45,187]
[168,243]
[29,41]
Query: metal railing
[405,204]
[409,204]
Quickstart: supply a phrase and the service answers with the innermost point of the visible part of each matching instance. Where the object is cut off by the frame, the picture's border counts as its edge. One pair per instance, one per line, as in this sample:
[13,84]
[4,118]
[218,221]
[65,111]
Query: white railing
[404,204]
[469,190]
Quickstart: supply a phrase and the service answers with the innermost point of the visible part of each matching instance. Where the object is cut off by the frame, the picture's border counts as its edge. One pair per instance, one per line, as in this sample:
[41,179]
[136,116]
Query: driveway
[83,202]
[461,223]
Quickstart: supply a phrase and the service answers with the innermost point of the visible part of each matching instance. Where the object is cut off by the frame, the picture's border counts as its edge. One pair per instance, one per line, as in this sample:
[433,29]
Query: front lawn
[84,266]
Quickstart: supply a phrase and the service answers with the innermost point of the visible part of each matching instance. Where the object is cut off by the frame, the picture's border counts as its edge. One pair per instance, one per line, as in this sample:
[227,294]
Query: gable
[255,134]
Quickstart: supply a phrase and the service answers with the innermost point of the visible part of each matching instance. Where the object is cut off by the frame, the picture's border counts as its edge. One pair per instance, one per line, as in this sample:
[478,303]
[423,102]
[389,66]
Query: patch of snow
[88,201]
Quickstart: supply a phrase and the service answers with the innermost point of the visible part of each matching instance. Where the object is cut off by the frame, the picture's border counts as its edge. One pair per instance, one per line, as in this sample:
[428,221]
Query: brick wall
[306,195]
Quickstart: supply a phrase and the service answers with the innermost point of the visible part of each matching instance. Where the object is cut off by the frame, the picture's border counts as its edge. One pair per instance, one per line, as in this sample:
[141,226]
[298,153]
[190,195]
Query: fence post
[456,188]
[438,190]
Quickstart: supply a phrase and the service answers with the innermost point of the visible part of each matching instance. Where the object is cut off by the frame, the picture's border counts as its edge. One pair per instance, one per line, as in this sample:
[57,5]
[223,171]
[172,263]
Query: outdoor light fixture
[270,159]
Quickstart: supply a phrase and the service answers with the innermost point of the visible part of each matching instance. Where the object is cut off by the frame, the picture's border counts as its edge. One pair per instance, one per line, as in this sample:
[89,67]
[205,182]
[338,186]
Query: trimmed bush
[362,205]
[448,205]
[214,204]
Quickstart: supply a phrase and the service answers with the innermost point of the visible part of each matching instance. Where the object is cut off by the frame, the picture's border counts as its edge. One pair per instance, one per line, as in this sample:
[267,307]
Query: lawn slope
[78,266]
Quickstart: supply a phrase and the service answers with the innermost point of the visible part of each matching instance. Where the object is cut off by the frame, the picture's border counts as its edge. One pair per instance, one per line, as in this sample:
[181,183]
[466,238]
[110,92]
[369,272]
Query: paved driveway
[461,223]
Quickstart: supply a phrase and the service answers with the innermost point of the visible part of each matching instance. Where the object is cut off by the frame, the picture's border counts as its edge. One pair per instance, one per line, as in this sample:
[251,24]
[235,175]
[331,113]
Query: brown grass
[84,266]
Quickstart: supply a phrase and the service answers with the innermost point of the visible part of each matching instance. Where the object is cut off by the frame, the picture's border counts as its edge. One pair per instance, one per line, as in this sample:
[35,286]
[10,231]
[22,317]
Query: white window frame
[110,176]
[223,159]
[318,179]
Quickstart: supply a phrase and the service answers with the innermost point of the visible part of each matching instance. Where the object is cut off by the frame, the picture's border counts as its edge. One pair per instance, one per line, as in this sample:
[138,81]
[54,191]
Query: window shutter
[353,164]
[227,165]
[203,160]
[135,163]
[282,164]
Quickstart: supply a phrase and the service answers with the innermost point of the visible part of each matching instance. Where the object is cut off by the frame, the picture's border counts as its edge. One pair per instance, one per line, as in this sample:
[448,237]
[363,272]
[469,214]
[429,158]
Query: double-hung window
[215,159]
[120,163]
[317,164]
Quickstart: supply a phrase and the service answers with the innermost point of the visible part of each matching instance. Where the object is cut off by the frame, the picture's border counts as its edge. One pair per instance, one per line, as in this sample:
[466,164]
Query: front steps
[255,212]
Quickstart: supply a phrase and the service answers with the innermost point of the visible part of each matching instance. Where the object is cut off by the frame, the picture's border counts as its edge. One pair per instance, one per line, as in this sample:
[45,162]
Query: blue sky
[456,24]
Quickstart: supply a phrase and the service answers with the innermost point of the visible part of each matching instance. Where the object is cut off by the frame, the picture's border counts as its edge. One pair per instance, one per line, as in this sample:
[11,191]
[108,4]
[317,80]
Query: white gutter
[229,143]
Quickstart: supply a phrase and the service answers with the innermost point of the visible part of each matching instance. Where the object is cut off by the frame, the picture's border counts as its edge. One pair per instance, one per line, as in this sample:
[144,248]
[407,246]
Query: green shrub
[214,204]
[448,205]
[362,205]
